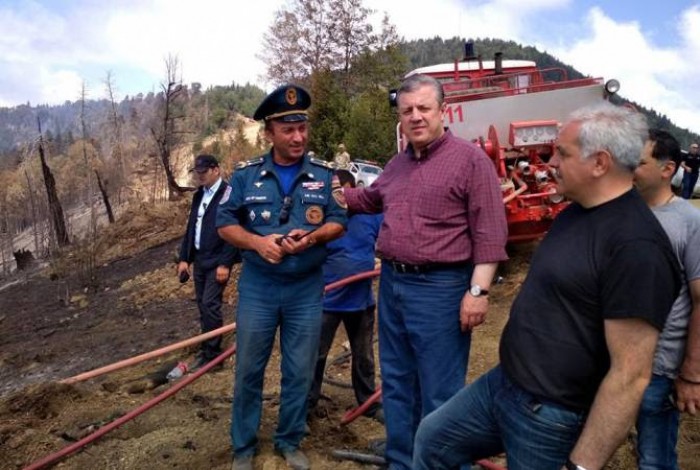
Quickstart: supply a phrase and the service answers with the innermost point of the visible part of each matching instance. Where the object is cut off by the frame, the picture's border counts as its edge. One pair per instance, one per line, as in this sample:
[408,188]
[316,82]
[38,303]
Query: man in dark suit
[211,256]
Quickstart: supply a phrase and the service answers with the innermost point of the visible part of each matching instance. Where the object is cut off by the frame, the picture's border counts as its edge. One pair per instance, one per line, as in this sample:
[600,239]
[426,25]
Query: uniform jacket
[213,251]
[255,201]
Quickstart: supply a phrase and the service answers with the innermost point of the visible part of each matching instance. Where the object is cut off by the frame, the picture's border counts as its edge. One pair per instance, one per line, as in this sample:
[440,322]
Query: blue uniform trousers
[422,352]
[268,301]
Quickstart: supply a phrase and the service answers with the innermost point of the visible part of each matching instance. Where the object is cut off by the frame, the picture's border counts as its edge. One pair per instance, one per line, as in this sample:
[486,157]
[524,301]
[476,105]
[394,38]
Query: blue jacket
[353,253]
[256,199]
[213,251]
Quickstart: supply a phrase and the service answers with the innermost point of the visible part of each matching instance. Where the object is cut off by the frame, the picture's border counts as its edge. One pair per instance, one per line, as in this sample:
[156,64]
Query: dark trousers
[209,294]
[359,327]
[689,181]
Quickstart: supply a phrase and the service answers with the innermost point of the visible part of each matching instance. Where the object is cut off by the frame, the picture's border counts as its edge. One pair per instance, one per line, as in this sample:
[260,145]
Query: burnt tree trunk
[59,222]
[105,198]
[168,131]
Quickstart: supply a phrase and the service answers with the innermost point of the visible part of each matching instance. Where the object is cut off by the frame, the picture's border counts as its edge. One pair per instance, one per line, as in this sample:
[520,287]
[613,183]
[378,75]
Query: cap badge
[291,96]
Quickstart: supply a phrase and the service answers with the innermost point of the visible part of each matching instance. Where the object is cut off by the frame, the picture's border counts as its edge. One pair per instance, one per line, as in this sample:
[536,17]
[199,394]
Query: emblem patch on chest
[265,215]
[252,216]
[314,215]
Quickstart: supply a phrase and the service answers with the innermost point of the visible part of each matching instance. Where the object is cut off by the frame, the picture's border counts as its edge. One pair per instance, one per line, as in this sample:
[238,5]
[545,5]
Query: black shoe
[242,463]
[377,446]
[296,459]
[378,415]
[200,361]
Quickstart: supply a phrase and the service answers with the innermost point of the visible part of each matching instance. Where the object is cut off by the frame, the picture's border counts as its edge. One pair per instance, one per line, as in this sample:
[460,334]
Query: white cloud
[215,44]
[649,74]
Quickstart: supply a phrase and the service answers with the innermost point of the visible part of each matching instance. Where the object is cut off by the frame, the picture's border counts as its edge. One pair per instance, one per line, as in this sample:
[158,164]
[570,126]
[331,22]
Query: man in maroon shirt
[443,234]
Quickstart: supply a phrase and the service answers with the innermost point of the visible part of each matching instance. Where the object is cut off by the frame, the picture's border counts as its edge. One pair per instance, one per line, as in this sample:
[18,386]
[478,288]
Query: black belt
[406,268]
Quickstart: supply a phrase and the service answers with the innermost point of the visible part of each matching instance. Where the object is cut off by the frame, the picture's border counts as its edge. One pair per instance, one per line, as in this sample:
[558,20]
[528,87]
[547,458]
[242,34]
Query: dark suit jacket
[213,251]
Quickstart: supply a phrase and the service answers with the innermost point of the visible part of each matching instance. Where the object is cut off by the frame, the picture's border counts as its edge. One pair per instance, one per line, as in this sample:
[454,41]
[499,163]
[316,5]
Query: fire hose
[55,457]
[149,355]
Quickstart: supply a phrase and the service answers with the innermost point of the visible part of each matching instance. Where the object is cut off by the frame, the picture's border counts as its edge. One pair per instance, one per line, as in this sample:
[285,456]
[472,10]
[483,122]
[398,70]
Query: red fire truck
[513,110]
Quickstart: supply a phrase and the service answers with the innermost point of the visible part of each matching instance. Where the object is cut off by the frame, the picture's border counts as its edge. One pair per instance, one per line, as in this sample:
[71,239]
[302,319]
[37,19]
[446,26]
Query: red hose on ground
[353,414]
[149,355]
[55,457]
[68,450]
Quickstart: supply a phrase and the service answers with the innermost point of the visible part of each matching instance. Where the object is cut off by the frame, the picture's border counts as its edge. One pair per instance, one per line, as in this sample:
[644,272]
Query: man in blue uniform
[280,211]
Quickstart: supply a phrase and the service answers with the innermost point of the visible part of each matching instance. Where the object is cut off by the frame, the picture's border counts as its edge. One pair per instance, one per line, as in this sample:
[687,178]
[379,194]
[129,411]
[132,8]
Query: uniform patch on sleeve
[314,215]
[226,195]
[339,197]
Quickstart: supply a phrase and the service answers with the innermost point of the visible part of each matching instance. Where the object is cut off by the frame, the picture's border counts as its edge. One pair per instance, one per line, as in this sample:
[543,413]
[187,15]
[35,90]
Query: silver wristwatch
[476,291]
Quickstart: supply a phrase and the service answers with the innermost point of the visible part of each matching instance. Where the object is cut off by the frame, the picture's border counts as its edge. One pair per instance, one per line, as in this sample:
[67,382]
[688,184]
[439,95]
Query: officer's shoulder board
[247,163]
[322,163]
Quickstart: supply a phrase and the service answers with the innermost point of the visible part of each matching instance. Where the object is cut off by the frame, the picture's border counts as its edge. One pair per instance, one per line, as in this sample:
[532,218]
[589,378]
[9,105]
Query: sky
[49,48]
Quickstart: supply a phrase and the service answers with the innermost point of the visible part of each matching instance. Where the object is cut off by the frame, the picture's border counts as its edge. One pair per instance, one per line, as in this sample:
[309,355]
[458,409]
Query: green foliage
[328,114]
[224,102]
[370,134]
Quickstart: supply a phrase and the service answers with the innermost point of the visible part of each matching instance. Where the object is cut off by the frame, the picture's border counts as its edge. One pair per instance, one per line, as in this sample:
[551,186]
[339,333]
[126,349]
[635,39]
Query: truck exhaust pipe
[469,50]
[498,63]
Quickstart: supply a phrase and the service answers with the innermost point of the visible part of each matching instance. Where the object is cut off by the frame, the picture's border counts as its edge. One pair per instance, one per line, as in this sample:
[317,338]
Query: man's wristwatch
[569,465]
[476,291]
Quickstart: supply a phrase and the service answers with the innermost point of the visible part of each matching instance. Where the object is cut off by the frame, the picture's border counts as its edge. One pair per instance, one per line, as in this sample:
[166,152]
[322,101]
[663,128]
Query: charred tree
[59,222]
[105,198]
[168,131]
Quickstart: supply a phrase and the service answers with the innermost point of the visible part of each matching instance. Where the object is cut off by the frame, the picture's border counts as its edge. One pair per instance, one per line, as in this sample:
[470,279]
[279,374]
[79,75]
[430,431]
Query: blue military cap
[287,103]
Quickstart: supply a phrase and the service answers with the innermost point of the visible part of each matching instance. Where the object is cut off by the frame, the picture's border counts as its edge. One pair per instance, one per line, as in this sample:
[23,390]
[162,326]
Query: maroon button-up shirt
[445,207]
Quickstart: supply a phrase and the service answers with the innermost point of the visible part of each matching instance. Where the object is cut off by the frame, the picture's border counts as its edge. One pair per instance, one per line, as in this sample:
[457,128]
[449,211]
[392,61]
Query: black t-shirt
[693,162]
[613,261]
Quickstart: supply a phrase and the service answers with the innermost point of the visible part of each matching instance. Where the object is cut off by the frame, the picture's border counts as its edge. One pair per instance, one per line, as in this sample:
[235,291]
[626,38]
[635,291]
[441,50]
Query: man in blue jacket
[211,256]
[353,304]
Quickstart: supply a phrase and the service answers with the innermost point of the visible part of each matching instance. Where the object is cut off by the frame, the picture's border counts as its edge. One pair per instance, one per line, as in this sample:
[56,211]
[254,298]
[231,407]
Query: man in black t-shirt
[577,351]
[691,169]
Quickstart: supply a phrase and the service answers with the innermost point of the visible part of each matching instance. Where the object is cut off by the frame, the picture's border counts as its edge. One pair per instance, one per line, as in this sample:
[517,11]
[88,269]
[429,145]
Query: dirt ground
[52,326]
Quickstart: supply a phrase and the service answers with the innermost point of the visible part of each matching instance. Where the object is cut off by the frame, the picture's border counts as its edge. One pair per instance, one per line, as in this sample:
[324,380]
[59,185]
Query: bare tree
[89,165]
[32,205]
[105,198]
[168,131]
[116,135]
[352,32]
[59,222]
